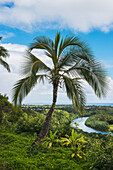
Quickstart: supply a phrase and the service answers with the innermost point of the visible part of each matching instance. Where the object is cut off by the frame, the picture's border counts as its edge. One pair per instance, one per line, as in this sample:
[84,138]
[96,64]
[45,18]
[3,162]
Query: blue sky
[21,21]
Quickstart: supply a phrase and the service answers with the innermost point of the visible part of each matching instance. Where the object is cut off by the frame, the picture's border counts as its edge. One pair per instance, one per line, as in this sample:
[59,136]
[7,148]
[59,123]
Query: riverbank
[80,124]
[101,122]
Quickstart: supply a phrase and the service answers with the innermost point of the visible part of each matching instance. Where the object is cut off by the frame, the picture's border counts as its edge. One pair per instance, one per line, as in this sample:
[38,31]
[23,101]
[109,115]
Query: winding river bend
[81,125]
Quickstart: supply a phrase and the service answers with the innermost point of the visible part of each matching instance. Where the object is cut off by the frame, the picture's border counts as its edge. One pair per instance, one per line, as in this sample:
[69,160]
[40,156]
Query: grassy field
[16,153]
[64,148]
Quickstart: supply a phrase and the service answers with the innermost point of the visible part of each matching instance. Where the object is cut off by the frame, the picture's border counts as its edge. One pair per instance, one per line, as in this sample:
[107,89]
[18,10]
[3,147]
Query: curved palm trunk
[46,124]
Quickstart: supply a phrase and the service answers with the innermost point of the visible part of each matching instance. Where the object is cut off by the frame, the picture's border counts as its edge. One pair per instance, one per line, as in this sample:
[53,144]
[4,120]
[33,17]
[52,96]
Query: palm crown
[72,62]
[4,54]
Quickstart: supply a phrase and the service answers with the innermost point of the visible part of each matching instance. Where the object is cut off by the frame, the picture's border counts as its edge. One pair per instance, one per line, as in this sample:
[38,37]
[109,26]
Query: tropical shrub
[76,142]
[28,123]
[50,140]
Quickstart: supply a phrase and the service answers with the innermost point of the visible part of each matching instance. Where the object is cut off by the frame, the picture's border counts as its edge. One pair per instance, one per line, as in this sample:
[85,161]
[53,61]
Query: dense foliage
[8,113]
[102,122]
[64,148]
[33,122]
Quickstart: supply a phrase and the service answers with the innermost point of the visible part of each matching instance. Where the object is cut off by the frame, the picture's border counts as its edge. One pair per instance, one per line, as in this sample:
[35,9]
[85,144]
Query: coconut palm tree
[72,61]
[4,54]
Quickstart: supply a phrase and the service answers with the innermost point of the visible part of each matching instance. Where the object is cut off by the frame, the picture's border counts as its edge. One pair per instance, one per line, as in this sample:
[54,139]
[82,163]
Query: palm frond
[72,56]
[72,60]
[57,39]
[3,52]
[73,41]
[75,93]
[45,43]
[42,78]
[65,61]
[32,65]
[94,74]
[68,86]
[5,64]
[24,86]
[79,99]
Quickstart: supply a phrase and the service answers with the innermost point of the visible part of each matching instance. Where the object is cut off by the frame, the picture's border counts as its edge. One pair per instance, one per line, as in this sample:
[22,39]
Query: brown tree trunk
[46,124]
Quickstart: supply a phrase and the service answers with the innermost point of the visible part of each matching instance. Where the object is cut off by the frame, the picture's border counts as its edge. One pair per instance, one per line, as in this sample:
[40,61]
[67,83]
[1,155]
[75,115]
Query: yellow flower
[79,156]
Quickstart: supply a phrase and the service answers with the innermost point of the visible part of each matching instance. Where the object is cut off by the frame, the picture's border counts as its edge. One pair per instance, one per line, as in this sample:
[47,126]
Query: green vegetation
[16,153]
[8,113]
[76,142]
[111,128]
[102,122]
[64,148]
[32,121]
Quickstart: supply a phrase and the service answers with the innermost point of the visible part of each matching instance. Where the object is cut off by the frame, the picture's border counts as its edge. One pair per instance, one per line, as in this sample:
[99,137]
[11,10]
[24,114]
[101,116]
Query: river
[81,125]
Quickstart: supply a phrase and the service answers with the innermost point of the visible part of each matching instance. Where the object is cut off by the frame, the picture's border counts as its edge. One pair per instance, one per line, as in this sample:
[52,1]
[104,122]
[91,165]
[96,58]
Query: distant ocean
[99,104]
[88,104]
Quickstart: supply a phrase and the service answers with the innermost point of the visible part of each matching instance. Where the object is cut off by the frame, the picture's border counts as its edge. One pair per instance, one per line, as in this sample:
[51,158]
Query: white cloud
[41,93]
[5,1]
[16,54]
[9,79]
[79,15]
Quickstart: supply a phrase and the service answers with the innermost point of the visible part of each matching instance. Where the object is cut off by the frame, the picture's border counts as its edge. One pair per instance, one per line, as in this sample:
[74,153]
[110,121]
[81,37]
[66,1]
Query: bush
[97,124]
[33,122]
[8,112]
[28,123]
[99,153]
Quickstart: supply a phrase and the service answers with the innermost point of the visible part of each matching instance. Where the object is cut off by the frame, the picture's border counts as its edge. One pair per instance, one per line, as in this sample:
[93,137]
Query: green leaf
[24,86]
[3,63]
[33,65]
[50,144]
